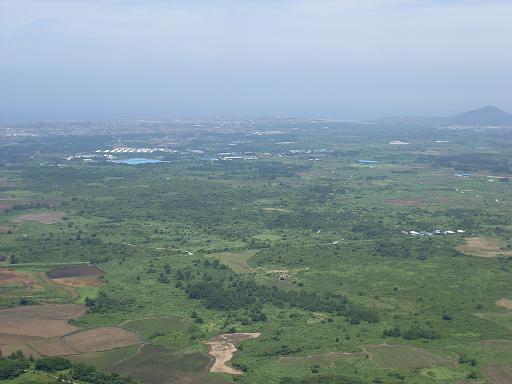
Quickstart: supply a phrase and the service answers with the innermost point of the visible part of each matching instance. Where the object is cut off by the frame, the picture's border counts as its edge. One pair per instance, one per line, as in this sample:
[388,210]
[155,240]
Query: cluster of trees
[474,162]
[13,365]
[52,364]
[89,374]
[264,170]
[16,363]
[413,333]
[468,360]
[105,303]
[243,294]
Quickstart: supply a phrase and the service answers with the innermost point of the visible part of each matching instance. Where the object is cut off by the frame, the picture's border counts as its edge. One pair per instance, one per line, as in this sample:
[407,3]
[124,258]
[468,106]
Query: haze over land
[255,192]
[93,60]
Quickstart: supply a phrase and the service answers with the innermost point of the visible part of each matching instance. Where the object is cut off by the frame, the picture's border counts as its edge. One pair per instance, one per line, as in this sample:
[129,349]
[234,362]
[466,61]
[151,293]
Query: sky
[343,59]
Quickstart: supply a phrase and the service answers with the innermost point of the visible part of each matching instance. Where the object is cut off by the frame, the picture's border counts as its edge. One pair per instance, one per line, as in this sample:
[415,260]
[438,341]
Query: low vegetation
[391,272]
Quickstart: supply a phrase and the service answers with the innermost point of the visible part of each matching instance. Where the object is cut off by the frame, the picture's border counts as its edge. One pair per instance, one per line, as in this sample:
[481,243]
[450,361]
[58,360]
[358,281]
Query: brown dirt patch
[6,229]
[499,374]
[405,202]
[43,217]
[5,207]
[40,320]
[27,351]
[101,339]
[504,303]
[10,277]
[46,311]
[86,281]
[53,347]
[222,349]
[36,327]
[79,271]
[484,247]
[6,339]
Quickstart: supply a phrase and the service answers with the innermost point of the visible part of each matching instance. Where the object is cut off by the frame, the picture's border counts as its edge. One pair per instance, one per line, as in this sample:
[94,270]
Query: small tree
[51,364]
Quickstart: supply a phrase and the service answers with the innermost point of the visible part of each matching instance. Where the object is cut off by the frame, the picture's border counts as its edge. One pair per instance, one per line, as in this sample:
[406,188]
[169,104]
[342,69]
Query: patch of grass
[84,292]
[105,359]
[155,365]
[405,356]
[238,262]
[441,374]
[149,328]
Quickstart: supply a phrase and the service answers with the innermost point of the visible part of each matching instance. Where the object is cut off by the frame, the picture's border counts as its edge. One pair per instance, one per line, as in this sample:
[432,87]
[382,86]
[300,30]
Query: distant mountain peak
[488,115]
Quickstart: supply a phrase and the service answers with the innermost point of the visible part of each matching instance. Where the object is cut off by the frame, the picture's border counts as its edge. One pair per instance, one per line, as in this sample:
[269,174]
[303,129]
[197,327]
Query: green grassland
[308,252]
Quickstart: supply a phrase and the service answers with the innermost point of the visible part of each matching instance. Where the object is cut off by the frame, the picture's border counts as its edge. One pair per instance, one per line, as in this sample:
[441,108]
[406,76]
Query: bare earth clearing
[9,277]
[504,303]
[40,320]
[43,218]
[499,374]
[6,339]
[222,349]
[101,339]
[27,351]
[75,272]
[47,311]
[6,229]
[53,347]
[484,247]
[86,281]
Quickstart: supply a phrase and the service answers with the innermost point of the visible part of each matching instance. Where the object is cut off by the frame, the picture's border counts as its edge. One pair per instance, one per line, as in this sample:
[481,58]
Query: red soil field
[74,272]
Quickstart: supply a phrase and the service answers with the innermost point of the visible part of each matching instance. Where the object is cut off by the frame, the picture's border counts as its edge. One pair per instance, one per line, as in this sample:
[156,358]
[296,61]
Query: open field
[85,281]
[78,271]
[322,358]
[42,217]
[47,311]
[151,326]
[53,347]
[100,339]
[484,247]
[9,277]
[405,356]
[105,359]
[40,320]
[499,374]
[156,365]
[238,262]
[302,244]
[6,338]
[10,348]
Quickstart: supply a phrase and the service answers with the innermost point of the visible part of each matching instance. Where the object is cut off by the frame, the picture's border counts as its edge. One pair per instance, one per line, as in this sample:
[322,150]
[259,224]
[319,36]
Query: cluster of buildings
[132,150]
[434,233]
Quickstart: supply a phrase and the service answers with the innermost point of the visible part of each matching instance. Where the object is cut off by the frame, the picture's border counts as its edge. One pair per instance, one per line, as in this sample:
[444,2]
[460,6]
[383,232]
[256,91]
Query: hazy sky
[101,59]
